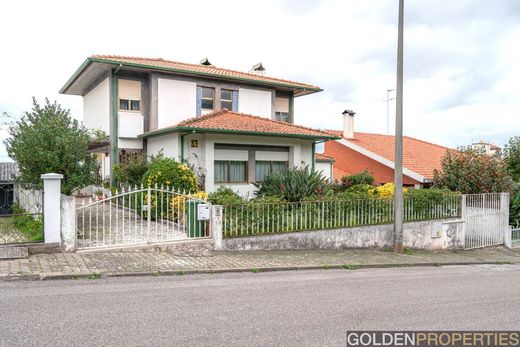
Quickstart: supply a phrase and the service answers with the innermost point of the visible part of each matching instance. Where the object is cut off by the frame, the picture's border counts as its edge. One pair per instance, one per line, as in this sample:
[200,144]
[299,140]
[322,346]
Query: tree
[512,157]
[470,171]
[47,139]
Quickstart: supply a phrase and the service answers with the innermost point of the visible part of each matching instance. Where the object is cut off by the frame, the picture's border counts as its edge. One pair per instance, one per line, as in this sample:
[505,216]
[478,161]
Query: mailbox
[203,211]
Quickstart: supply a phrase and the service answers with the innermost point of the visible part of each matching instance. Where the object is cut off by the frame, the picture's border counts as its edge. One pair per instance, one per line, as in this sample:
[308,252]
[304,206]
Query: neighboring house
[8,173]
[231,127]
[487,148]
[355,152]
[325,165]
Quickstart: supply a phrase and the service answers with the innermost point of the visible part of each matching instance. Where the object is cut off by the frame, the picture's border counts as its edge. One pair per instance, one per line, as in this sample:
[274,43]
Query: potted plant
[99,194]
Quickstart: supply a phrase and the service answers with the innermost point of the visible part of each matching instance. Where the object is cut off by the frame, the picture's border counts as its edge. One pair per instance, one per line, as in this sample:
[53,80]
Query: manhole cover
[13,252]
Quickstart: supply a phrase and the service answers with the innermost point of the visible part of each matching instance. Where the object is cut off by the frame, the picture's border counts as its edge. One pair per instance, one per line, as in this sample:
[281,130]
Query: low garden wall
[429,235]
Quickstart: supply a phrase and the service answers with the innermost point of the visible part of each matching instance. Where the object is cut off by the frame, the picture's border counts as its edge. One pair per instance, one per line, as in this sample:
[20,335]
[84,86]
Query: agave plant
[293,185]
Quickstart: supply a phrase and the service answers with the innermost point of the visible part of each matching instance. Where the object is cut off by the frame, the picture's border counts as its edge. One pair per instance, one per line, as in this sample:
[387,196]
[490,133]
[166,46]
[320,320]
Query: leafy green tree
[47,139]
[512,157]
[470,171]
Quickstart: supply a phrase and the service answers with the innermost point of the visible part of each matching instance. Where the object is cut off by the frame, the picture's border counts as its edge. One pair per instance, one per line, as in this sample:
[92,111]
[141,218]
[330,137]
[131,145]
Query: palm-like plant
[293,185]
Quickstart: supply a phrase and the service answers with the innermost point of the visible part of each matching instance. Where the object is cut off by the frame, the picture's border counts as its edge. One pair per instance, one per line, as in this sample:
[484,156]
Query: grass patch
[255,270]
[181,273]
[503,263]
[436,264]
[325,266]
[26,225]
[94,276]
[408,251]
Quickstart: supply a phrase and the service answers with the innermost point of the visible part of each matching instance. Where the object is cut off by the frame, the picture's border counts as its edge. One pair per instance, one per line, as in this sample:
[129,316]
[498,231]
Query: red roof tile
[225,121]
[201,69]
[323,157]
[418,156]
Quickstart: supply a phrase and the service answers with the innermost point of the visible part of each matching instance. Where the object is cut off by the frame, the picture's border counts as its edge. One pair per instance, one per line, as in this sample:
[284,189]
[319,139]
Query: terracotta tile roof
[225,121]
[8,171]
[419,156]
[323,157]
[202,69]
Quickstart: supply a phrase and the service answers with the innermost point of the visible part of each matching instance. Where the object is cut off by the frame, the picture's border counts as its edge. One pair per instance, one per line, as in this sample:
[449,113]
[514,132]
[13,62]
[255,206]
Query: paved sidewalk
[93,265]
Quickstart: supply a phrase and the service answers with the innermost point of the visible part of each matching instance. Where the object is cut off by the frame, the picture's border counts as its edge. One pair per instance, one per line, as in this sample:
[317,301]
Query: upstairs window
[207,98]
[282,116]
[226,99]
[129,105]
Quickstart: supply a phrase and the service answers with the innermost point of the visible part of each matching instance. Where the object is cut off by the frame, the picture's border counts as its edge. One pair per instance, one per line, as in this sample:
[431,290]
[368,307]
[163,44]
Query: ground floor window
[229,171]
[264,167]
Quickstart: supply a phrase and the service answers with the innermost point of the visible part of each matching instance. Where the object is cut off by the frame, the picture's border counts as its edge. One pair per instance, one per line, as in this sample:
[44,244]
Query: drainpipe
[313,155]
[182,147]
[114,158]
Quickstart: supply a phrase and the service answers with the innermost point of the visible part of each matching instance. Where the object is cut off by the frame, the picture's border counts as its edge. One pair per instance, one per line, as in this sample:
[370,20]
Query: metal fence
[256,218]
[21,217]
[515,234]
[139,216]
[486,217]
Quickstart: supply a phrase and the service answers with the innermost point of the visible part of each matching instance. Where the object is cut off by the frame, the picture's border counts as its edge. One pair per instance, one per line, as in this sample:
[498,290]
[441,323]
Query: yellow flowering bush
[384,191]
[167,172]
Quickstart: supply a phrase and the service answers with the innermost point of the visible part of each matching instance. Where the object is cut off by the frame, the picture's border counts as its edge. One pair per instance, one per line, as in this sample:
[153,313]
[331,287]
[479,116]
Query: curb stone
[324,267]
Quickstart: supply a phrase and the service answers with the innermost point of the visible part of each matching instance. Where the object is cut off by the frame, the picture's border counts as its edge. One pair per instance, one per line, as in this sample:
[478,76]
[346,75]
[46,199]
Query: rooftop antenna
[388,99]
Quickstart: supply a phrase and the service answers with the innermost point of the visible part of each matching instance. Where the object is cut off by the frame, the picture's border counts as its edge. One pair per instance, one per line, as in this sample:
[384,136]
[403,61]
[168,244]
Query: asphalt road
[299,308]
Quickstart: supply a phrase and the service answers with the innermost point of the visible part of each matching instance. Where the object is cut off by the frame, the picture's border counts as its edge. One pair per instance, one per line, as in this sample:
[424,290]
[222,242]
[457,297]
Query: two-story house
[232,127]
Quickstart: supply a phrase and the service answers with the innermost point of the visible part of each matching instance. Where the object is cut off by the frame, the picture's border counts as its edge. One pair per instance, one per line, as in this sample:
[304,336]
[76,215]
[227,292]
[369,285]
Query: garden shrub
[166,172]
[225,196]
[384,191]
[131,172]
[293,184]
[364,178]
[178,203]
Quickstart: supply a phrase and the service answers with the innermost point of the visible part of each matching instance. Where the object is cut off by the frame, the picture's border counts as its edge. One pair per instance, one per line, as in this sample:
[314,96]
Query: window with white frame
[207,98]
[226,99]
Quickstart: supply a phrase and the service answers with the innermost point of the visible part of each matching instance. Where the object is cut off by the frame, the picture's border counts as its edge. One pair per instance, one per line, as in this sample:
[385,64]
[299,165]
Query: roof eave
[75,75]
[236,132]
[301,90]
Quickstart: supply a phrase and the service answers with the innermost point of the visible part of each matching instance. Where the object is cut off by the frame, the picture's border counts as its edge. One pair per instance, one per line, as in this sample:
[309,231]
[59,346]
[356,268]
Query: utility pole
[388,99]
[398,169]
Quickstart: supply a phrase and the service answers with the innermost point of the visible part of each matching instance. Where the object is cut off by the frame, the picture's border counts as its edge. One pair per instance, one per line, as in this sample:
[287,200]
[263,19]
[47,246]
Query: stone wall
[417,235]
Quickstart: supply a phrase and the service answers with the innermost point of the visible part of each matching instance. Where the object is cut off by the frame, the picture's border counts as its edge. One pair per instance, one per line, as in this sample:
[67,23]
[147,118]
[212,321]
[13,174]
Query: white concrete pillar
[68,223]
[216,226]
[51,207]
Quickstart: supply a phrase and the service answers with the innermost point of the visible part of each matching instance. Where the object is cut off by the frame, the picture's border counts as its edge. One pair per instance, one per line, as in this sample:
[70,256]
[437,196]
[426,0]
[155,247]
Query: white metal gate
[139,216]
[486,219]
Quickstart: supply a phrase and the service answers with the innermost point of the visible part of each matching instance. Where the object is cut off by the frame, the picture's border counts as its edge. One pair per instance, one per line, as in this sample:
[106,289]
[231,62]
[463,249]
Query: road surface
[298,308]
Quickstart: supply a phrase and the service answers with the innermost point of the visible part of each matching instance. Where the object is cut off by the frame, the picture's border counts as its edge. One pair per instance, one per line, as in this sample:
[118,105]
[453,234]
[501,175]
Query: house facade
[231,127]
[355,152]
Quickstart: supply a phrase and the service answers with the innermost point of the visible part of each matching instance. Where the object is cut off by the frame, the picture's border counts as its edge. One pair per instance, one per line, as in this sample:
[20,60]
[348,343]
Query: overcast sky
[462,57]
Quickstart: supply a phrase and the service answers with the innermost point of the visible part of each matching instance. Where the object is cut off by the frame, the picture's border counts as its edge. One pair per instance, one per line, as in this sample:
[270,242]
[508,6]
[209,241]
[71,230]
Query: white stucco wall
[130,143]
[325,168]
[255,102]
[131,124]
[96,107]
[168,143]
[177,101]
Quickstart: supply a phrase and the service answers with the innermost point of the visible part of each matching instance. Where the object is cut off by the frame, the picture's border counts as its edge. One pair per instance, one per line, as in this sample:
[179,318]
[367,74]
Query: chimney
[348,124]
